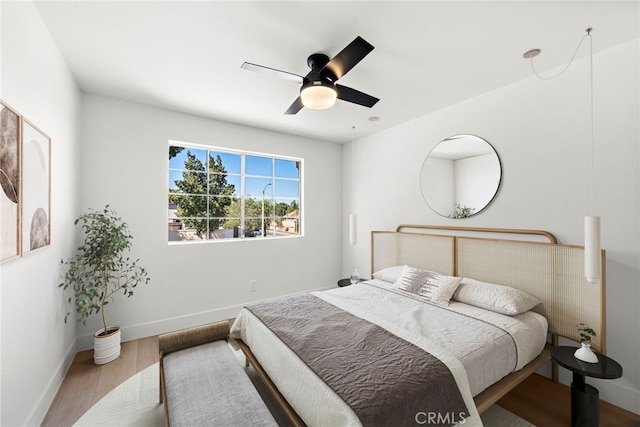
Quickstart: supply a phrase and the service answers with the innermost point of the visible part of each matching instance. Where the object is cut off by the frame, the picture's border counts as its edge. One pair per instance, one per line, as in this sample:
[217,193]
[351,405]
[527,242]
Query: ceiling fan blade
[351,95]
[295,107]
[348,57]
[272,72]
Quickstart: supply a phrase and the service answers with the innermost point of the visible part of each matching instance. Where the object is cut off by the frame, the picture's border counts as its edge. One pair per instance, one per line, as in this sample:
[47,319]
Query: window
[217,193]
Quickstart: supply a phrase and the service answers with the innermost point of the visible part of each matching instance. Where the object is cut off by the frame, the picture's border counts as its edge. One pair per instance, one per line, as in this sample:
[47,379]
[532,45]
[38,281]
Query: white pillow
[389,274]
[436,287]
[410,279]
[440,288]
[499,298]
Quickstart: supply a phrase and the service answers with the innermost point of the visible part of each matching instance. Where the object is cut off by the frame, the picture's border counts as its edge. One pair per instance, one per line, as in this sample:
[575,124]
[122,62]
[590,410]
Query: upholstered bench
[202,382]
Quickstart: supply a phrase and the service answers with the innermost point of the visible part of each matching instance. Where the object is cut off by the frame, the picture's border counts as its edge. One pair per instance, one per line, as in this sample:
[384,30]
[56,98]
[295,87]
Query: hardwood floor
[86,383]
[537,399]
[545,403]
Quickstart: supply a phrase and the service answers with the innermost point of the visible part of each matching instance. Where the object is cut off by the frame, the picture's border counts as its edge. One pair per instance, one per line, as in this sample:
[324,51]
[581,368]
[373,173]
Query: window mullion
[242,195]
[273,196]
[207,194]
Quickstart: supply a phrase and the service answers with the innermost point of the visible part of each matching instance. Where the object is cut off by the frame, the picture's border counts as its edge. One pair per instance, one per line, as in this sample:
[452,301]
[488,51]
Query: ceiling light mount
[317,60]
[531,53]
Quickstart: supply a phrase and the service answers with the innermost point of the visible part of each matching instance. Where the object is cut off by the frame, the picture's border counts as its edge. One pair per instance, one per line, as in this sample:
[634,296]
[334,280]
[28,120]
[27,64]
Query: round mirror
[460,176]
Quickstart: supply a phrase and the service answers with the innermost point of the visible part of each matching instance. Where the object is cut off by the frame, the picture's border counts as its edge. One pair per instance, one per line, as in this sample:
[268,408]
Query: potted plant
[98,271]
[585,353]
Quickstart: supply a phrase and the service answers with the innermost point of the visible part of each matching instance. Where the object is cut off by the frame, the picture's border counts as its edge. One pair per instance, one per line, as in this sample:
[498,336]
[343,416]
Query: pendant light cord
[591,102]
[592,118]
[568,64]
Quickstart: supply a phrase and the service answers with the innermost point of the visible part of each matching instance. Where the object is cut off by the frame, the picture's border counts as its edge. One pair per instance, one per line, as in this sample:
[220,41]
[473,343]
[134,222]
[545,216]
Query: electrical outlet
[253,286]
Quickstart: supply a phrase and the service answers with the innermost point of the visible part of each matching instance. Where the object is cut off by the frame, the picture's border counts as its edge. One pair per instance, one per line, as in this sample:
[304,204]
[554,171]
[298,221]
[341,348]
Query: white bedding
[488,354]
[475,348]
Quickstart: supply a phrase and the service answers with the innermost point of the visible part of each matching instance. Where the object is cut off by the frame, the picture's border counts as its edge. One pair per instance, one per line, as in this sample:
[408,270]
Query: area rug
[135,403]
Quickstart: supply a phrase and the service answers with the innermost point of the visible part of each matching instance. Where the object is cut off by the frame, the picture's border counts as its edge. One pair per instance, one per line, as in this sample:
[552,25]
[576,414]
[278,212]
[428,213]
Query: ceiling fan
[319,89]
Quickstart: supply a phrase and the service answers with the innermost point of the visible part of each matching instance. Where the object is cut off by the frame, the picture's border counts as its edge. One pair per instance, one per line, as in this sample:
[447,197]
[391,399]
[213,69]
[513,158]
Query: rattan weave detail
[390,249]
[552,273]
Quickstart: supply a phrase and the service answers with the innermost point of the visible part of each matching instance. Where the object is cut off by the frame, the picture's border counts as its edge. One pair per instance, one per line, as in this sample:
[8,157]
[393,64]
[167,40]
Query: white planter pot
[106,348]
[585,353]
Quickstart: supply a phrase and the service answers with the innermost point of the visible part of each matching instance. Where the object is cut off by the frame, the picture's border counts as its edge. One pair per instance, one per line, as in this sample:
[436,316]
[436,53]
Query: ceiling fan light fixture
[318,96]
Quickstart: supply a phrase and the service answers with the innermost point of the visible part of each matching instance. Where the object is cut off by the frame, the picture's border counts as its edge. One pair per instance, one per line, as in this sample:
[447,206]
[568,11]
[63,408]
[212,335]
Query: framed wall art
[36,191]
[10,127]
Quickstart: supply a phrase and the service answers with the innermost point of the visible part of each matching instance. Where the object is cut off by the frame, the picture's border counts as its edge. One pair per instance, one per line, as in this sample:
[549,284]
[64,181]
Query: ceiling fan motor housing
[316,61]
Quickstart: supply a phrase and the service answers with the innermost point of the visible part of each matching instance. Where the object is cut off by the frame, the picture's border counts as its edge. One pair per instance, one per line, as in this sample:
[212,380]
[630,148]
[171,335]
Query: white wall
[37,346]
[124,164]
[541,131]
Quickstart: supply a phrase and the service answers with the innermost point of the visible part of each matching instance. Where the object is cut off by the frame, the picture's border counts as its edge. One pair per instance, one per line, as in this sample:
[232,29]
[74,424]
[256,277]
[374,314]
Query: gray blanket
[386,380]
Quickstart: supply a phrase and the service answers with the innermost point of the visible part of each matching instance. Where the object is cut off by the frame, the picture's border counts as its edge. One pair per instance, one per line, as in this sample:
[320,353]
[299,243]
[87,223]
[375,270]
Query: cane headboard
[551,272]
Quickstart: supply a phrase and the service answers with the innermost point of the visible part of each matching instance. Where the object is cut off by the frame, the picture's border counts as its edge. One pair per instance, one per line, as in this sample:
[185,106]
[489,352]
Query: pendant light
[592,249]
[353,230]
[353,218]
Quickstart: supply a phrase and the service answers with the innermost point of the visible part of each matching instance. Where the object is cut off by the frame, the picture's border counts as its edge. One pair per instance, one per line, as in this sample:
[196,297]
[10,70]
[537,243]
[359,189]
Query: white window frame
[242,193]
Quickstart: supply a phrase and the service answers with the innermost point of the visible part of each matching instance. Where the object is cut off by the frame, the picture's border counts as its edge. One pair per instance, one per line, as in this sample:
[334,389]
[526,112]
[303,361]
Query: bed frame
[530,260]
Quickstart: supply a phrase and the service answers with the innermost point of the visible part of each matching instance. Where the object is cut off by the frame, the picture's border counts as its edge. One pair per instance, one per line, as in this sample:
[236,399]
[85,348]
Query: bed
[328,357]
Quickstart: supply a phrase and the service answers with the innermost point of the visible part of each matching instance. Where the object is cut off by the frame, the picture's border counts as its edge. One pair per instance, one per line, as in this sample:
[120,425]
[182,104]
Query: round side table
[585,409]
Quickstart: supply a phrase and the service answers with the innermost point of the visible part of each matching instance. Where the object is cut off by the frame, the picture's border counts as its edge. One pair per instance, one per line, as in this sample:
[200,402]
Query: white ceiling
[186,56]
